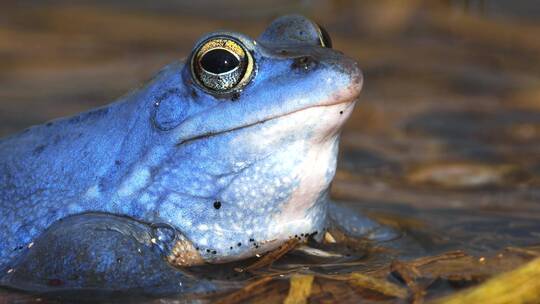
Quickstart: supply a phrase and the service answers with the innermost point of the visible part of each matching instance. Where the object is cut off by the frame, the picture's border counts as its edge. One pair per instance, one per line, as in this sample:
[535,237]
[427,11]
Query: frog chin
[303,212]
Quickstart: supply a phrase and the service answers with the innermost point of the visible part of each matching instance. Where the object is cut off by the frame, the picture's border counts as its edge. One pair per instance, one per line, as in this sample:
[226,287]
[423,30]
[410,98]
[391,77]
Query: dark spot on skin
[231,248]
[217,204]
[283,52]
[239,244]
[57,139]
[197,248]
[194,93]
[251,240]
[208,250]
[55,282]
[214,252]
[102,183]
[256,246]
[92,114]
[235,96]
[117,162]
[169,93]
[340,112]
[39,149]
[153,172]
[49,124]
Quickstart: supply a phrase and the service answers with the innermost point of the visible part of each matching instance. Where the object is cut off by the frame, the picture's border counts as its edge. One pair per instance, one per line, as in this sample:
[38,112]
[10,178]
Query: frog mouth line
[211,134]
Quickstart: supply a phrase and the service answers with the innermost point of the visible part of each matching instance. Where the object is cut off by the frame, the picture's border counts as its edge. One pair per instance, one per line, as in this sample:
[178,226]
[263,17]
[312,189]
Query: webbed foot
[98,252]
[355,224]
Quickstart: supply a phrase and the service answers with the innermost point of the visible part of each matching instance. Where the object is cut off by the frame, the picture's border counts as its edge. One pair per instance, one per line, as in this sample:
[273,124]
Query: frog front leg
[101,252]
[353,223]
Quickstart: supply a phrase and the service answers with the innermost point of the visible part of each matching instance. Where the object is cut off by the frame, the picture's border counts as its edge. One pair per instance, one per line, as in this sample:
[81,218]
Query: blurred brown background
[447,133]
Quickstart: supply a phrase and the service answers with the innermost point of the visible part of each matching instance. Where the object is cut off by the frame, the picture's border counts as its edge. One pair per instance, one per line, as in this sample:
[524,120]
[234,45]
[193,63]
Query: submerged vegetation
[507,276]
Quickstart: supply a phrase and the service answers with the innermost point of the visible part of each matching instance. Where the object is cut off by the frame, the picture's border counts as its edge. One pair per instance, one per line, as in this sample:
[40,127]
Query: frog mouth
[349,102]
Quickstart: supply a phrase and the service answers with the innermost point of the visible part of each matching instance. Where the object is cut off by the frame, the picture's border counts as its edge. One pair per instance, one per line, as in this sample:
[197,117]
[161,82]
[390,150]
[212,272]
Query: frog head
[248,133]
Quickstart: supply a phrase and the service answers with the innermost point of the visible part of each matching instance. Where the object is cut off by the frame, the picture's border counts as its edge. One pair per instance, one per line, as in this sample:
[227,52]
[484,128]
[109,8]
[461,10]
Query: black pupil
[219,61]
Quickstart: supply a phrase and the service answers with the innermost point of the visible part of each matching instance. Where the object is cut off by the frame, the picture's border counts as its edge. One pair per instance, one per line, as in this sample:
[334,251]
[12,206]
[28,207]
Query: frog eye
[221,64]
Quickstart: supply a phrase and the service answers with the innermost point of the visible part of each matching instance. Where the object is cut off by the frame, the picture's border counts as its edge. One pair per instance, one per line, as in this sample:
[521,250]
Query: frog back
[46,170]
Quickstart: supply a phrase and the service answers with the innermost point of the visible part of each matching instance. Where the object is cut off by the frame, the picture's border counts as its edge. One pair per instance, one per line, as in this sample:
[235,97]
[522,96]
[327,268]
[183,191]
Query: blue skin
[178,172]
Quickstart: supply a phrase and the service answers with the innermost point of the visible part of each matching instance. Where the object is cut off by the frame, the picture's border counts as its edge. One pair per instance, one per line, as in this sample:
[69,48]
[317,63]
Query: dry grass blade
[378,285]
[524,251]
[300,289]
[369,282]
[272,256]
[517,286]
[246,292]
[445,256]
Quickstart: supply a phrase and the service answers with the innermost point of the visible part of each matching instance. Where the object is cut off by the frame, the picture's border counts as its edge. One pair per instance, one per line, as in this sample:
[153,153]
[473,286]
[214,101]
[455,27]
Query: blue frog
[221,157]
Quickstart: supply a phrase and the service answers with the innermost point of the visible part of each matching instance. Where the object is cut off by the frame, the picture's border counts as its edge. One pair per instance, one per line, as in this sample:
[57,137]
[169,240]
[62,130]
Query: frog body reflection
[220,157]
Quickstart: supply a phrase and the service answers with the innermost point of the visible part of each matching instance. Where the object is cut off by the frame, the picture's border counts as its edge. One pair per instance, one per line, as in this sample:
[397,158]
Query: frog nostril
[304,63]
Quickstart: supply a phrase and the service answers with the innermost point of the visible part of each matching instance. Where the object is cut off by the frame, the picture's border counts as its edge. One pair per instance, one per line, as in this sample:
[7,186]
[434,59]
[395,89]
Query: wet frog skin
[223,156]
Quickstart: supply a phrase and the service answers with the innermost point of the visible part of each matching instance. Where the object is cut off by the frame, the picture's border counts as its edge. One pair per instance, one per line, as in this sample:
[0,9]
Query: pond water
[444,144]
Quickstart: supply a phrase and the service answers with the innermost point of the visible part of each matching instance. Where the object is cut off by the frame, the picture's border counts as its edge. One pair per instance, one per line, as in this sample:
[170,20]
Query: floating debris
[272,256]
[300,289]
[246,292]
[329,238]
[382,286]
[317,252]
